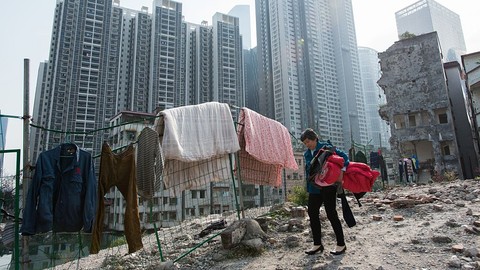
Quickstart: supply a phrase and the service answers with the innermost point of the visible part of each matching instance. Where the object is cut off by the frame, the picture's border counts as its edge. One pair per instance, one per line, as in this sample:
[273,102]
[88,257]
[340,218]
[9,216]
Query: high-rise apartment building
[227,60]
[378,130]
[73,81]
[165,54]
[3,137]
[127,85]
[198,64]
[251,79]
[242,12]
[426,16]
[105,58]
[309,71]
[39,117]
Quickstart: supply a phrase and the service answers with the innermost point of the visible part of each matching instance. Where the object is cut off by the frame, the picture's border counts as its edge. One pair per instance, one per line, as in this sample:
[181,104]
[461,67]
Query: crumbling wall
[414,83]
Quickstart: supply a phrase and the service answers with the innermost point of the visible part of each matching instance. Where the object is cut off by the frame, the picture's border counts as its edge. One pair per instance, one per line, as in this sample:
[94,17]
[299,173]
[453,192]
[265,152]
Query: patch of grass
[377,185]
[299,196]
[450,176]
[118,242]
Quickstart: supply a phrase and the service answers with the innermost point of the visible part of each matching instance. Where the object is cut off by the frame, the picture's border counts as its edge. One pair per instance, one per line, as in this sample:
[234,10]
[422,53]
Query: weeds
[299,196]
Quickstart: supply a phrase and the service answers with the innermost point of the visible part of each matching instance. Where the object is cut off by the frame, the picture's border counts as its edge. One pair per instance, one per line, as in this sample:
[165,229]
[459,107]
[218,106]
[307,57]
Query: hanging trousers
[327,196]
[118,170]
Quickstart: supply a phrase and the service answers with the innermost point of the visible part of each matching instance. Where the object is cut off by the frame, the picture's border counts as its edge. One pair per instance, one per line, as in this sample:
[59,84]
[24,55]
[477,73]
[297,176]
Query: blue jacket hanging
[62,196]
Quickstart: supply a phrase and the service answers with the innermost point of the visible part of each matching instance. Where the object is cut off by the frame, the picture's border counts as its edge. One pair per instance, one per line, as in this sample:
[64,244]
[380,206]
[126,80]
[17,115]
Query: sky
[26,27]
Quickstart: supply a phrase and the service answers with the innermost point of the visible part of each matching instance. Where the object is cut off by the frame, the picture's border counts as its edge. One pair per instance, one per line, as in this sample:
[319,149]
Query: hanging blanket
[266,148]
[192,137]
[197,132]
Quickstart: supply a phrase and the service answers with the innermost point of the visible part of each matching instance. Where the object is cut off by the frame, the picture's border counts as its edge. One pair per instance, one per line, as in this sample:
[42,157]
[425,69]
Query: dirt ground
[437,232]
[433,226]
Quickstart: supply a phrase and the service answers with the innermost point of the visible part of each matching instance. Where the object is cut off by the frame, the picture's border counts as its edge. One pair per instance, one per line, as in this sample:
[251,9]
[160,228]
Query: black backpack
[316,164]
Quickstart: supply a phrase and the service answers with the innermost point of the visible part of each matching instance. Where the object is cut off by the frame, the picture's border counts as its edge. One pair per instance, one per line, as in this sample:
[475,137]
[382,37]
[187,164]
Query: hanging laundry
[196,141]
[149,163]
[266,148]
[401,169]
[383,168]
[374,160]
[118,170]
[360,157]
[351,154]
[62,196]
[408,169]
[415,160]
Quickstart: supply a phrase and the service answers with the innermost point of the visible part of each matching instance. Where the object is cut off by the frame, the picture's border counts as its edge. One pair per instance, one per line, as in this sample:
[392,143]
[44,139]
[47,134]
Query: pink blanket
[265,148]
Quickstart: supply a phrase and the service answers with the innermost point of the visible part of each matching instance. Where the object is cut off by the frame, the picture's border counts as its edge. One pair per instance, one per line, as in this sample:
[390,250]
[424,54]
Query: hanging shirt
[149,163]
[63,193]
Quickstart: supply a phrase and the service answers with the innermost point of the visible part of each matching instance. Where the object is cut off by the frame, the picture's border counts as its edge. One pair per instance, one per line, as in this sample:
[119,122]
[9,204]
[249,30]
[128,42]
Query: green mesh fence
[192,206]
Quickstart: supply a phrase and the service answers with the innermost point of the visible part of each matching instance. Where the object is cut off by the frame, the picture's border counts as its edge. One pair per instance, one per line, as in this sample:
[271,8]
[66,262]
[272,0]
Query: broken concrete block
[233,234]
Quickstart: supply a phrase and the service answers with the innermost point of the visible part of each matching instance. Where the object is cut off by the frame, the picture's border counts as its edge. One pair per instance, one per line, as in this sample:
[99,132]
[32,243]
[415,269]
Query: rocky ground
[434,226]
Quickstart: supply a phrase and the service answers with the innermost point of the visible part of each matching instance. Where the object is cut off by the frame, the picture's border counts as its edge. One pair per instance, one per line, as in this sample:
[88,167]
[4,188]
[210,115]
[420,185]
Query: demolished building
[428,109]
[471,66]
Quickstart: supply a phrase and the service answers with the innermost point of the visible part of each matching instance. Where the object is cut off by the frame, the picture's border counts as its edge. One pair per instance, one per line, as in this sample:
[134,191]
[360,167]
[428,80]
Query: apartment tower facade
[378,130]
[309,75]
[105,59]
[426,16]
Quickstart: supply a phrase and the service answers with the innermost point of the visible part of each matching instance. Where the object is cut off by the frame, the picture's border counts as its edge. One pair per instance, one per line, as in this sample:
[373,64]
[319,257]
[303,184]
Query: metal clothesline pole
[26,142]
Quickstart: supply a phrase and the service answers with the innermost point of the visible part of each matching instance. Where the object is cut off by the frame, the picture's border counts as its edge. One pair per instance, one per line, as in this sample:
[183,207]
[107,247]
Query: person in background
[325,195]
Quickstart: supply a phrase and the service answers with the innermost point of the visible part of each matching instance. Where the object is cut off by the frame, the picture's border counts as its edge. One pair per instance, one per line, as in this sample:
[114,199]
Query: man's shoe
[335,252]
[313,251]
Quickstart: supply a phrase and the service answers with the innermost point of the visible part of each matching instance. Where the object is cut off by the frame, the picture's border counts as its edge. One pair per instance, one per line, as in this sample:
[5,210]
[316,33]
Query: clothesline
[10,116]
[95,130]
[116,149]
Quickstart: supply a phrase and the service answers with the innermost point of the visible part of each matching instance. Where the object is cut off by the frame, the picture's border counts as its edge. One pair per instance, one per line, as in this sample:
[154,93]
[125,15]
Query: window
[173,201]
[172,215]
[412,121]
[399,121]
[202,194]
[194,194]
[445,149]
[442,118]
[131,135]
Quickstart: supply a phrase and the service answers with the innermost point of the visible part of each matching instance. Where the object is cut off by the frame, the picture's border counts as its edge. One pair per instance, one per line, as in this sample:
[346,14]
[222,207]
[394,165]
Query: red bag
[331,170]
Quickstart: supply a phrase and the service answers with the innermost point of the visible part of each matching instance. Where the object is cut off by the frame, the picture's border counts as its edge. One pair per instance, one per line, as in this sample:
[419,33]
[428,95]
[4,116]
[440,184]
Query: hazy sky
[26,27]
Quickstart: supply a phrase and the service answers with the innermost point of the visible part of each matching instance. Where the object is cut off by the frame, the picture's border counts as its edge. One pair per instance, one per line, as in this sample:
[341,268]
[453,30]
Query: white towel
[197,132]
